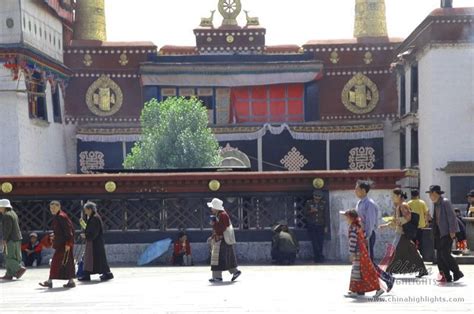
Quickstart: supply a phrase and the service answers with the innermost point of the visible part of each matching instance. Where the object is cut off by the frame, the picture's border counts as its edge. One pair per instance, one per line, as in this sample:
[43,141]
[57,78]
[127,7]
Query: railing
[173,212]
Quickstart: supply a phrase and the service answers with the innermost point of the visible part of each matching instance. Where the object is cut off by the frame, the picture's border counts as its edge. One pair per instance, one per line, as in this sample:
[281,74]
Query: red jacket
[223,221]
[37,247]
[178,248]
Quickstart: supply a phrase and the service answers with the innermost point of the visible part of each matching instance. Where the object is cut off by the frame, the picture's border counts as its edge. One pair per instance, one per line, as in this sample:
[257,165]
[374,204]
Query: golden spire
[90,20]
[370,20]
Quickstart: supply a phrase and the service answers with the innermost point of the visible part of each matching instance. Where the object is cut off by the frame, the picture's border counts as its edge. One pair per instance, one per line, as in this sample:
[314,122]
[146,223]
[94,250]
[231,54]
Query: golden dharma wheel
[318,183]
[7,187]
[110,186]
[214,185]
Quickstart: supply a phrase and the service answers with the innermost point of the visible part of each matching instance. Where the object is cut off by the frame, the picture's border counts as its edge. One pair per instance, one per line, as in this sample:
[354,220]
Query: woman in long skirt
[406,258]
[95,259]
[222,243]
[364,277]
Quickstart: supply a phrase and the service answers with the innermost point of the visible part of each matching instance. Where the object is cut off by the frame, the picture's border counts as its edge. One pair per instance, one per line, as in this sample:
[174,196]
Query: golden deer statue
[251,21]
[207,21]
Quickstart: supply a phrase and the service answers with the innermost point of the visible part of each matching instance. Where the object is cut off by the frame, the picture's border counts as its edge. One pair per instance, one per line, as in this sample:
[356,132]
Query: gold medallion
[110,186]
[214,185]
[7,187]
[230,39]
[104,97]
[360,95]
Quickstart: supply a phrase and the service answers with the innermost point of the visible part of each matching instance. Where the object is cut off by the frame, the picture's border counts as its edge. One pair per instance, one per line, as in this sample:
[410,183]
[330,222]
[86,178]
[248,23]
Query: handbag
[410,228]
[229,235]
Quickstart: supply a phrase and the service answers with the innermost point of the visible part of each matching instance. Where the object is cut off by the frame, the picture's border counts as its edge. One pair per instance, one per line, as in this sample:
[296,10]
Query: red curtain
[272,103]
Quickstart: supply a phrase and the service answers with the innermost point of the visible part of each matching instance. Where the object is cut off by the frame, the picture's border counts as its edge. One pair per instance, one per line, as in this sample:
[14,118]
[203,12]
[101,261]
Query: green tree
[175,134]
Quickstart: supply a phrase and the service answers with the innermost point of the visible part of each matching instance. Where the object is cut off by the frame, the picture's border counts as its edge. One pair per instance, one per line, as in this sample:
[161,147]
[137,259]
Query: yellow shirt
[419,206]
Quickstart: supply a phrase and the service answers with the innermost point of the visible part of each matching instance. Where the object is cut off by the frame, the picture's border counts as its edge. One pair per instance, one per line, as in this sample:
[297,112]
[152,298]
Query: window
[402,95]
[37,97]
[57,106]
[460,186]
[414,101]
[167,92]
[272,103]
[414,148]
[403,161]
[206,96]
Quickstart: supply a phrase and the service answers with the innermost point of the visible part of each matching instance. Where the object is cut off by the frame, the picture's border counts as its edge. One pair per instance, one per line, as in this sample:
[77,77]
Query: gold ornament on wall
[104,97]
[110,186]
[230,39]
[368,57]
[360,95]
[318,183]
[214,185]
[334,57]
[87,60]
[123,60]
[7,187]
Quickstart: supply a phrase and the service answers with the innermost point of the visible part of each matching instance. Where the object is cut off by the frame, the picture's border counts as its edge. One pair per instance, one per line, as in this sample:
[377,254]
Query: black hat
[435,188]
[471,194]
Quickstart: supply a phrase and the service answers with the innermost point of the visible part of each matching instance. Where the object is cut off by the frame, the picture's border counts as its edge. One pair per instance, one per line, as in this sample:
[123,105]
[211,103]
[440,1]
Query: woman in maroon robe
[95,258]
[62,265]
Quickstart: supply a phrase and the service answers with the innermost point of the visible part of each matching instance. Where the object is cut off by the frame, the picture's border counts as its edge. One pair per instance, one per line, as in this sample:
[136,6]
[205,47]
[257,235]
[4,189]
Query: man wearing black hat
[444,231]
[470,204]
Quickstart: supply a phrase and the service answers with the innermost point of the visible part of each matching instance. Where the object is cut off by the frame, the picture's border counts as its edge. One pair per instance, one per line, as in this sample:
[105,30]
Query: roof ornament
[251,21]
[229,9]
[207,21]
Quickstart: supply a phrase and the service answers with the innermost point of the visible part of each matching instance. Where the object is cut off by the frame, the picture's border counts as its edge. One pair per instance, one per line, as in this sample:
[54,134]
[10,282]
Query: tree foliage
[175,134]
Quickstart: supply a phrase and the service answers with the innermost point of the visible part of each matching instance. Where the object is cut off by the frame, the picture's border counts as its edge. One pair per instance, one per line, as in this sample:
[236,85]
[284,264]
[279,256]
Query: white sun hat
[5,203]
[216,203]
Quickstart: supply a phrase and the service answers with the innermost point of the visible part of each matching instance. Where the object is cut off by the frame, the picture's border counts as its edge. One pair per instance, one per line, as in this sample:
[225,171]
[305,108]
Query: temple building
[435,69]
[33,78]
[326,105]
[73,99]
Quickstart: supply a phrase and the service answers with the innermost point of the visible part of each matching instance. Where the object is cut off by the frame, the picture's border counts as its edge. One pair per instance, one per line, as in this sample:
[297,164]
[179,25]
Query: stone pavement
[260,289]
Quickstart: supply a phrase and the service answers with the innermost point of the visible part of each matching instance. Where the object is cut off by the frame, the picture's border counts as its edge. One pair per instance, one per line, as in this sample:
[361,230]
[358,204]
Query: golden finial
[90,20]
[370,20]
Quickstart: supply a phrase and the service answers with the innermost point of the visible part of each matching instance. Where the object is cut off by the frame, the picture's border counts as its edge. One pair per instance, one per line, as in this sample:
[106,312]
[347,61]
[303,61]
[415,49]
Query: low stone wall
[246,252]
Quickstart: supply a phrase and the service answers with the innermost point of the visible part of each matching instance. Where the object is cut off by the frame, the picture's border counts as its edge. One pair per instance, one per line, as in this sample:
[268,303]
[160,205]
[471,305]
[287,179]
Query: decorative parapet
[196,182]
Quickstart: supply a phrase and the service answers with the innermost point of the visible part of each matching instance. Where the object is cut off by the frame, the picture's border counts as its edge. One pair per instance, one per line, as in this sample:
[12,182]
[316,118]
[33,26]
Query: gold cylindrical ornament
[214,185]
[90,20]
[318,183]
[110,186]
[7,187]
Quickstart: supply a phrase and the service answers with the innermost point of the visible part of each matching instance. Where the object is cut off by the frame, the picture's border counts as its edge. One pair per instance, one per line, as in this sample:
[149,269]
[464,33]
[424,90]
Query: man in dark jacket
[11,242]
[445,226]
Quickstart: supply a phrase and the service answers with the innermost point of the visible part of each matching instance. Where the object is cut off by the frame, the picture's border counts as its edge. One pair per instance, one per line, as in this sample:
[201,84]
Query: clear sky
[170,22]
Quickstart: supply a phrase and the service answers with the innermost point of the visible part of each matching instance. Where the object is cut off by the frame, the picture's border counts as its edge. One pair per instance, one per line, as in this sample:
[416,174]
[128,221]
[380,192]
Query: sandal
[46,284]
[70,284]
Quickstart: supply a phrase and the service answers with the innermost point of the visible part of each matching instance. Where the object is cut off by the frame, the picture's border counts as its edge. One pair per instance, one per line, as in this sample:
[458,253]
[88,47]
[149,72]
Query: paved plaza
[260,289]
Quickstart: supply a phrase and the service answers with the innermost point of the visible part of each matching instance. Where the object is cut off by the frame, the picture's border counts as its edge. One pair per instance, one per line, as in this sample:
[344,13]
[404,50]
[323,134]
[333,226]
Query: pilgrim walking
[364,276]
[222,243]
[406,258]
[445,227]
[62,265]
[95,258]
[11,242]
